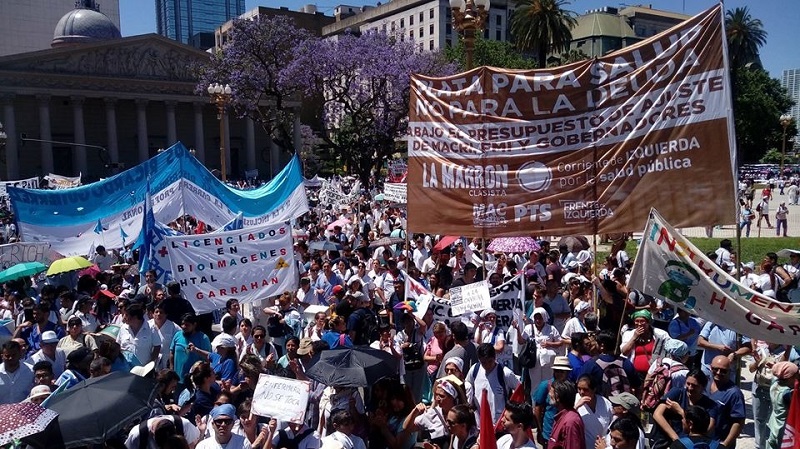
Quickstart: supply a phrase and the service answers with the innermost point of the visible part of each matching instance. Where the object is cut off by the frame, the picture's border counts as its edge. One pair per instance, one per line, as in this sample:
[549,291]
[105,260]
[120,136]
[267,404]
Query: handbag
[527,357]
[412,355]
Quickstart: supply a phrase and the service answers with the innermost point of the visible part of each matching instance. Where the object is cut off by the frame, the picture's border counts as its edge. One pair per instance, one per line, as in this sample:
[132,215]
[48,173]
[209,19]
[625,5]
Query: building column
[45,133]
[141,130]
[251,143]
[172,135]
[79,157]
[227,124]
[199,138]
[111,131]
[10,128]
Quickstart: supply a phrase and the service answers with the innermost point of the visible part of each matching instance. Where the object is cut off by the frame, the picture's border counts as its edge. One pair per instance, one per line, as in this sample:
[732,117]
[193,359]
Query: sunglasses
[258,336]
[719,370]
[450,422]
[223,422]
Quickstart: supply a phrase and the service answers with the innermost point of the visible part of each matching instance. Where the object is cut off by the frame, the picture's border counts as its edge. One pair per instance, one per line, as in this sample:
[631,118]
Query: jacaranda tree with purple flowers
[253,61]
[364,82]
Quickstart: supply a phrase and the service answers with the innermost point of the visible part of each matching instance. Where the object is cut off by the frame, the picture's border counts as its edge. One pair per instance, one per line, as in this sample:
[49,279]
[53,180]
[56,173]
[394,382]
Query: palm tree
[745,36]
[542,25]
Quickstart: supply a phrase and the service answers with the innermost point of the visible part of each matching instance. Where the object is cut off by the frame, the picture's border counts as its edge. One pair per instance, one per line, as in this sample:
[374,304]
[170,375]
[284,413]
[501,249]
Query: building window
[448,28]
[402,23]
[393,25]
[411,35]
[421,32]
[431,14]
[411,20]
[486,34]
[430,29]
[430,44]
[498,35]
[499,20]
[421,16]
[421,48]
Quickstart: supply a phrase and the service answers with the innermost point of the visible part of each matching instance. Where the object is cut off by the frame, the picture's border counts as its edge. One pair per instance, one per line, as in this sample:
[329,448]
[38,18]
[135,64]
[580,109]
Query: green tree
[745,36]
[490,53]
[758,104]
[542,25]
[568,57]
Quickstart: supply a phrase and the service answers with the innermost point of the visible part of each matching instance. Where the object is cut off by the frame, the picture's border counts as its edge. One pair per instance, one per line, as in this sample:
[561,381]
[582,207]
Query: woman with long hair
[336,333]
[262,347]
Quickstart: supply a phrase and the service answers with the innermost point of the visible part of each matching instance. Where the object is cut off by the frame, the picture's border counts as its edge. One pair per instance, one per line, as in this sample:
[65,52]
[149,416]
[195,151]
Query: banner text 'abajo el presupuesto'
[585,147]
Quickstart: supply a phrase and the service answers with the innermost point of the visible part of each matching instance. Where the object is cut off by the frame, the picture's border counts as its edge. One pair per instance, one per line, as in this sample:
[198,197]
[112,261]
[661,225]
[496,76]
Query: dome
[84,25]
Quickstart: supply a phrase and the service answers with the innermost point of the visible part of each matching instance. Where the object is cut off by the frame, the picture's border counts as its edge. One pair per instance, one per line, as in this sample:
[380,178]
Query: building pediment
[145,57]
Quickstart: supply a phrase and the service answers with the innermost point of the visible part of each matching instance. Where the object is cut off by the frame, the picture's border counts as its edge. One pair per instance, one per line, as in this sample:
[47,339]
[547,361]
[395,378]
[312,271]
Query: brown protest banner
[588,147]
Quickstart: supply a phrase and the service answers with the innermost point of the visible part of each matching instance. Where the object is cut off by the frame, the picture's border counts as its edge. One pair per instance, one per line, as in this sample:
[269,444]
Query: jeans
[746,224]
[762,409]
[780,223]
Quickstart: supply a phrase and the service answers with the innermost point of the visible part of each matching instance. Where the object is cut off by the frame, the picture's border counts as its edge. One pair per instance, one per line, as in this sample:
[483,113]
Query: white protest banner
[441,310]
[281,398]
[470,297]
[670,267]
[395,192]
[507,300]
[58,182]
[246,264]
[14,253]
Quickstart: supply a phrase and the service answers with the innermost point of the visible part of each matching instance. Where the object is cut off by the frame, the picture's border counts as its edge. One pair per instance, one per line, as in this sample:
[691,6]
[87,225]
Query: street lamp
[469,18]
[786,120]
[221,96]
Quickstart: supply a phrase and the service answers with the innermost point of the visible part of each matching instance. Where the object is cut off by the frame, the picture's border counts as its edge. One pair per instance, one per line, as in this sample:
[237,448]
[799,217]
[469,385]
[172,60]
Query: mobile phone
[28,314]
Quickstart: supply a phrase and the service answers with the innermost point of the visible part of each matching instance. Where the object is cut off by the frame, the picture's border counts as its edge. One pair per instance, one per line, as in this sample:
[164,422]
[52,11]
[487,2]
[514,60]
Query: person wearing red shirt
[568,430]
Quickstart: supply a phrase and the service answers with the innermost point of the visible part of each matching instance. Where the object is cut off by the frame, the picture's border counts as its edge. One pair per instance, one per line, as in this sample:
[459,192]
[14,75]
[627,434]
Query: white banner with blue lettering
[109,212]
[246,264]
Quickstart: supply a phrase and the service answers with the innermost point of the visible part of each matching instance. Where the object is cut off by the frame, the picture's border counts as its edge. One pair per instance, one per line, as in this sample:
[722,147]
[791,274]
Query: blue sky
[781,20]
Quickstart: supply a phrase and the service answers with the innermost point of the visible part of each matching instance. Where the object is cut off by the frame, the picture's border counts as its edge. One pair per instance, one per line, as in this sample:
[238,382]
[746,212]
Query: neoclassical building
[124,98]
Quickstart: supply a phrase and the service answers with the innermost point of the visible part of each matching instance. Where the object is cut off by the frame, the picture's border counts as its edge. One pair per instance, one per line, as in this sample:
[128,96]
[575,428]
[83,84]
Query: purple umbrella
[514,245]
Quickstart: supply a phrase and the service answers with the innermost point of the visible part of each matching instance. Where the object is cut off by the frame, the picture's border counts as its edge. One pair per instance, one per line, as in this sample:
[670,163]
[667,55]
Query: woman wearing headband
[643,343]
[434,418]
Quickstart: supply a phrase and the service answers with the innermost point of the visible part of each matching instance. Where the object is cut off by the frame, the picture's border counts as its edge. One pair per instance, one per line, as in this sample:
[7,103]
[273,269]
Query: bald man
[729,399]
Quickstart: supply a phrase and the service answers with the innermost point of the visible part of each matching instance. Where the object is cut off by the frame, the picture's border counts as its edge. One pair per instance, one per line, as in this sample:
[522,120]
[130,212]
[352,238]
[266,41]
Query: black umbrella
[357,367]
[96,410]
[324,245]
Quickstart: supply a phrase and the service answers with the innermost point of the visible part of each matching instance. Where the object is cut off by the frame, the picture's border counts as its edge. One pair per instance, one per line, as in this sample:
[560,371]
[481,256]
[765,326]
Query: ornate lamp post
[786,120]
[469,18]
[221,96]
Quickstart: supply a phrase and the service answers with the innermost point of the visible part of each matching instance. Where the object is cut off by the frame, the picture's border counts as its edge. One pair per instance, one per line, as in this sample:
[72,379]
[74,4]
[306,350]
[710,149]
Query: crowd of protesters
[619,371]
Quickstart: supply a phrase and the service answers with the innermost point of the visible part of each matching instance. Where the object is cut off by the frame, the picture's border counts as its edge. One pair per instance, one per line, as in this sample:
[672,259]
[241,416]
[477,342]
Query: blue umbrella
[21,270]
[324,245]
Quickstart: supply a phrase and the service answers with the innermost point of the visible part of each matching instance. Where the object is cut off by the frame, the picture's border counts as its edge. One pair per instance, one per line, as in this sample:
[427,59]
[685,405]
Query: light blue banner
[179,184]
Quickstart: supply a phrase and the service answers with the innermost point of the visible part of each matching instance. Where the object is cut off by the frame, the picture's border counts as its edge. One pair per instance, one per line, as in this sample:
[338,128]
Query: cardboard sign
[470,298]
[281,398]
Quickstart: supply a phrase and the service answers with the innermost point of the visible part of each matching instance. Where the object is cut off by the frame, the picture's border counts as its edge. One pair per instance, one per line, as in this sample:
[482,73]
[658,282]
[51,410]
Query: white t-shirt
[507,442]
[347,441]
[572,326]
[190,432]
[489,383]
[433,421]
[59,364]
[236,442]
[166,333]
[141,344]
[595,422]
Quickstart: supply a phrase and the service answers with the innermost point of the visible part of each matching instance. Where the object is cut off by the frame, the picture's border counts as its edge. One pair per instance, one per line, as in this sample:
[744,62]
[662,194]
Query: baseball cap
[337,289]
[626,400]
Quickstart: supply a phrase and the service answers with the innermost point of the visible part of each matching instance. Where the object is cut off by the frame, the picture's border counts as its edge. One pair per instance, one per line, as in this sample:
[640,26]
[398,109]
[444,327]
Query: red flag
[486,438]
[791,439]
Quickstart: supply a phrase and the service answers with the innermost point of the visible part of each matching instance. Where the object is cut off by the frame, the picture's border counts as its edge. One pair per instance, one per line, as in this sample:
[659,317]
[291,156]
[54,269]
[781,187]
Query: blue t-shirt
[332,338]
[718,335]
[180,348]
[34,337]
[224,369]
[577,365]
[542,397]
[591,368]
[730,402]
[679,395]
[677,328]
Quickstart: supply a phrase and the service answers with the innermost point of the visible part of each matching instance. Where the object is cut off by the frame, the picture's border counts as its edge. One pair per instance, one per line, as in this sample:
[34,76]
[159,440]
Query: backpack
[144,432]
[759,207]
[367,330]
[689,444]
[615,379]
[527,357]
[276,329]
[292,443]
[501,378]
[658,383]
